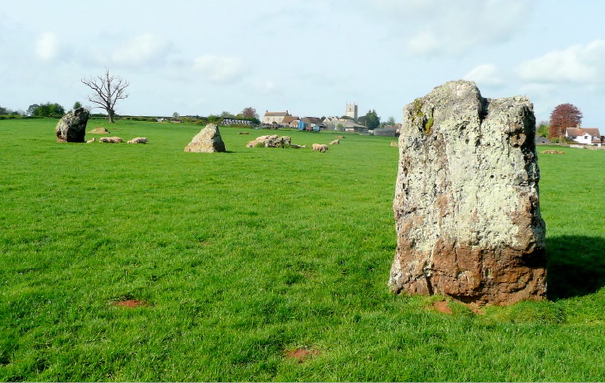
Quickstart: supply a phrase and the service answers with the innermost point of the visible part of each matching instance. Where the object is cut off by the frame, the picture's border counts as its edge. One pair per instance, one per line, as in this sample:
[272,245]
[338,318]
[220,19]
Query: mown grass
[246,255]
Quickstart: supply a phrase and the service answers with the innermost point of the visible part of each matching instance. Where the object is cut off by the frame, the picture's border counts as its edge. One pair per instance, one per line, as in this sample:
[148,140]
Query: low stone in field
[72,126]
[466,201]
[270,141]
[99,130]
[208,140]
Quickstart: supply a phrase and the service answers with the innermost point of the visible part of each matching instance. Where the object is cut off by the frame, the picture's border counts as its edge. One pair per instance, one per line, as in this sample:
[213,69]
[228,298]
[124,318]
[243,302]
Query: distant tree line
[48,109]
[248,114]
[217,119]
[370,120]
[9,112]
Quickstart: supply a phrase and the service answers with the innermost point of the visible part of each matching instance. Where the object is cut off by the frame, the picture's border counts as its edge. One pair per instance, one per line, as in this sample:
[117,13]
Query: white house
[275,117]
[586,136]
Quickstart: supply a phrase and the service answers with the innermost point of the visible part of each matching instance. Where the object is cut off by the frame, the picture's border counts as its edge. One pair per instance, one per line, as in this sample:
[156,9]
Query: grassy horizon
[241,258]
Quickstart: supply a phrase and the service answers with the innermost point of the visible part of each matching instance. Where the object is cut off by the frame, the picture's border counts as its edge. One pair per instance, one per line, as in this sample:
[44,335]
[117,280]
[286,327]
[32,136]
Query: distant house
[275,117]
[343,124]
[586,136]
[314,122]
[289,120]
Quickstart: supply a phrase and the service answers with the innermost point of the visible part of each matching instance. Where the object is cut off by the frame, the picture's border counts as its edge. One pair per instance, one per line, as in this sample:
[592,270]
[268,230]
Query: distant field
[263,264]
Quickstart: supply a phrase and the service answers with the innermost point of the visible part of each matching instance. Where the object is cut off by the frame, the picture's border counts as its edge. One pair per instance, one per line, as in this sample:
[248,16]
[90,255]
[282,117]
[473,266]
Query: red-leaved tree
[562,117]
[249,112]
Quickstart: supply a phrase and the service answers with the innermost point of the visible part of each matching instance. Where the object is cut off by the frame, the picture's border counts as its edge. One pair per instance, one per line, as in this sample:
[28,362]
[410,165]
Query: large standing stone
[72,126]
[208,140]
[466,201]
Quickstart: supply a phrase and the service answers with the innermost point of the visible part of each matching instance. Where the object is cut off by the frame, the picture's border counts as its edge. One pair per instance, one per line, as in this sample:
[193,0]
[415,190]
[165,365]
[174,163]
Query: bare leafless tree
[108,90]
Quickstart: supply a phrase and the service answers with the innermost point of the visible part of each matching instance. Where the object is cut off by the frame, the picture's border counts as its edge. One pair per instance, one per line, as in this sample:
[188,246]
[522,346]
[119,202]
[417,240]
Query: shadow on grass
[576,266]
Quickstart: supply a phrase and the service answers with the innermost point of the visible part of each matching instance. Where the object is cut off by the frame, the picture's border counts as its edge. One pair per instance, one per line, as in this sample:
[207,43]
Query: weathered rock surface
[72,126]
[271,141]
[99,130]
[208,140]
[466,200]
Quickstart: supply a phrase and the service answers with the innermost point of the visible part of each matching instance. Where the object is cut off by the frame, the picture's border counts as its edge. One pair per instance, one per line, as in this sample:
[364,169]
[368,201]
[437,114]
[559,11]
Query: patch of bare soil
[301,354]
[475,309]
[442,307]
[131,303]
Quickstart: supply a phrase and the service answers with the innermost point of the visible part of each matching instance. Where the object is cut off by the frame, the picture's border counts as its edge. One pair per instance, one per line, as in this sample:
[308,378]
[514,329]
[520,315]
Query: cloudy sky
[311,57]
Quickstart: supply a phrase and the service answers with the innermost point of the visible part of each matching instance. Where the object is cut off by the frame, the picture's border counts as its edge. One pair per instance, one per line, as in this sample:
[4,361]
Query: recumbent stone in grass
[270,141]
[466,200]
[99,130]
[208,140]
[72,126]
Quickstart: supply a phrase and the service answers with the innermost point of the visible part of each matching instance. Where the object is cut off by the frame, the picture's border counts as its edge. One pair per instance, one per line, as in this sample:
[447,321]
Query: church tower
[352,111]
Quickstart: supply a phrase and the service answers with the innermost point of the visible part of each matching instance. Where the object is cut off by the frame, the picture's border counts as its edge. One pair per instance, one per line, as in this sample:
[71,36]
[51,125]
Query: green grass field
[242,258]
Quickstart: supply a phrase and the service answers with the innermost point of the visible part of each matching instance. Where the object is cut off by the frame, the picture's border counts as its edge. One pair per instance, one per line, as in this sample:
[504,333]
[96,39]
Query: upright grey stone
[208,140]
[466,200]
[72,126]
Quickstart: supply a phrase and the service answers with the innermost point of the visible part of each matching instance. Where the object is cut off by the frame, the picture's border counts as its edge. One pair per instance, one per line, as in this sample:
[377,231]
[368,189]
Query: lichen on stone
[466,201]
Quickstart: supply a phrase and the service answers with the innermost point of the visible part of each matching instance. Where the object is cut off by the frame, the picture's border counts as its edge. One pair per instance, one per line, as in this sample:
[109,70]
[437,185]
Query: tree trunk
[111,114]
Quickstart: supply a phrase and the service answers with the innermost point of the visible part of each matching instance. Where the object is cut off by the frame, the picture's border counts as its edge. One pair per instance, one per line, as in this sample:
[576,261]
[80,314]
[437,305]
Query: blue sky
[308,56]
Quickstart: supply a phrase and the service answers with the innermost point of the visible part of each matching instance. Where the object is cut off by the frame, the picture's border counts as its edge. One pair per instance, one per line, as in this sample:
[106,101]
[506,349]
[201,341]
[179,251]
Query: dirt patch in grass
[442,307]
[301,354]
[131,303]
[475,309]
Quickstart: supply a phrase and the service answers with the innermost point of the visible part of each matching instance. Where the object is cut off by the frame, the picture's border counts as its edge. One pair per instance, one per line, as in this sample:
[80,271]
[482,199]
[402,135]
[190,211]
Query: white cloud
[141,50]
[578,64]
[455,27]
[47,46]
[485,74]
[219,69]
